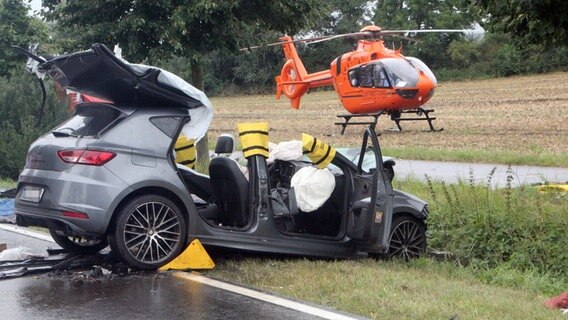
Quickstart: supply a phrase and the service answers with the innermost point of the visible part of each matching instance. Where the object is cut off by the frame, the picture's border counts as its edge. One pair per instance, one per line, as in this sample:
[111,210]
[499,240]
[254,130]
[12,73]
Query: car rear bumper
[76,200]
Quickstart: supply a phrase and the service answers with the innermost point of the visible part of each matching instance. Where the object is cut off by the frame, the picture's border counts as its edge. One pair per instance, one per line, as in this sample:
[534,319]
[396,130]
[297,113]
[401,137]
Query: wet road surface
[149,296]
[144,295]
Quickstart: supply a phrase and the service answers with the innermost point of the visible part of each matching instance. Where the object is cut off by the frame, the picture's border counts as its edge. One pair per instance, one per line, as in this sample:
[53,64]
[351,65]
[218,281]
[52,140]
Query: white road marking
[26,232]
[322,313]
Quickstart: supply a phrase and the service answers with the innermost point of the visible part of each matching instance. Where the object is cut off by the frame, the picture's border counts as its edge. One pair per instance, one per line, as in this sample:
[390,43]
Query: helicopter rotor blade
[387,32]
[308,40]
[355,34]
[338,36]
[404,38]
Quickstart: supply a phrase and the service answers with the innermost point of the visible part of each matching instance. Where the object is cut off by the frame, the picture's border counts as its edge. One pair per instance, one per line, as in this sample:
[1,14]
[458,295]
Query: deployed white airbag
[313,187]
[285,151]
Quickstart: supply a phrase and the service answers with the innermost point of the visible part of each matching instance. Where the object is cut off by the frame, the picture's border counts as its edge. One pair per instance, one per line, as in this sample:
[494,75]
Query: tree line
[200,39]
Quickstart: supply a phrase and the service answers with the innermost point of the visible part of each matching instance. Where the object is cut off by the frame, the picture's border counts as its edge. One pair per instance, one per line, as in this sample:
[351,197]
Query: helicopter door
[371,211]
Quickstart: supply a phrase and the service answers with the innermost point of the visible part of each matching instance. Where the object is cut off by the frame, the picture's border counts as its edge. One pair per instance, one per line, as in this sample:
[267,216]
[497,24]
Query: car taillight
[88,157]
[78,215]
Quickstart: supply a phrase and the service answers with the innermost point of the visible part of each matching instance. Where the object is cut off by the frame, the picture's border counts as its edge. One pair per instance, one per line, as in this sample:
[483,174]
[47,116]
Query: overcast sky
[36,5]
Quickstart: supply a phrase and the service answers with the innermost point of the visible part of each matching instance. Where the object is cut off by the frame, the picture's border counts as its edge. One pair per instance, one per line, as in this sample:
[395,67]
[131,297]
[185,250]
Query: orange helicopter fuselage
[367,80]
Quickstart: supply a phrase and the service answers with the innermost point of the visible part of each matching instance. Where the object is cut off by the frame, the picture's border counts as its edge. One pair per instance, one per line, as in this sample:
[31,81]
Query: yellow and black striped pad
[318,151]
[185,151]
[254,138]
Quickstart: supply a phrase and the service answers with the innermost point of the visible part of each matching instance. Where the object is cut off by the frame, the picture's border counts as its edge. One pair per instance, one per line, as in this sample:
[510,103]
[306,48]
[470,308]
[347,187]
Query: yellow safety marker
[553,188]
[193,257]
[254,138]
[185,151]
[318,151]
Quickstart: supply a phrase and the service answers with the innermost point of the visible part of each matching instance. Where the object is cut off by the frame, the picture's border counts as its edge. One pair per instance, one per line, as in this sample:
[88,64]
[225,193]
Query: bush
[19,100]
[517,228]
[508,61]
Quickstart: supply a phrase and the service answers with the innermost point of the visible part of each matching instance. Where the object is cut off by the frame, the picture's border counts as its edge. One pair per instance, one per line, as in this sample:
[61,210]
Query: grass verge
[7,183]
[507,256]
[421,289]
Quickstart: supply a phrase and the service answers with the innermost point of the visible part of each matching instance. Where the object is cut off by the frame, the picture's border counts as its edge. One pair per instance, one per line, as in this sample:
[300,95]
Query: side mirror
[388,169]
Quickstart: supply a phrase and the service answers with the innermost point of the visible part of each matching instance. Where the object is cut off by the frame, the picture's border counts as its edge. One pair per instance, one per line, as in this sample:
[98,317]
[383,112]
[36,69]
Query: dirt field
[523,115]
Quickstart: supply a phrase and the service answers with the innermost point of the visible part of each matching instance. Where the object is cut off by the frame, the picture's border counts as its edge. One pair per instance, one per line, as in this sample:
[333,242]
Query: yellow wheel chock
[193,257]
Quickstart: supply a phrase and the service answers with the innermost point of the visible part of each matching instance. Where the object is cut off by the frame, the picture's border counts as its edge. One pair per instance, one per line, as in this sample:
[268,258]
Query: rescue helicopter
[370,81]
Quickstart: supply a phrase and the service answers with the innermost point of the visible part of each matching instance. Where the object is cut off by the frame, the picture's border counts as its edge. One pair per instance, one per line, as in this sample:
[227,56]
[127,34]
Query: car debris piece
[17,268]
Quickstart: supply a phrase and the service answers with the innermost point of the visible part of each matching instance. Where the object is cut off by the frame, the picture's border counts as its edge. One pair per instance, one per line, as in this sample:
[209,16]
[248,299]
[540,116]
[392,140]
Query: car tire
[407,238]
[149,231]
[79,245]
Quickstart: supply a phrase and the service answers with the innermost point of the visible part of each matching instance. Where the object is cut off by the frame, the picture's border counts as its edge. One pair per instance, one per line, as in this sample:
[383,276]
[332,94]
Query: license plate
[31,194]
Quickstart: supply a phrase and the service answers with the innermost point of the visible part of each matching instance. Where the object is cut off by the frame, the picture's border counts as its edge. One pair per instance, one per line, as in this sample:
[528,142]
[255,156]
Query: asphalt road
[452,172]
[140,295]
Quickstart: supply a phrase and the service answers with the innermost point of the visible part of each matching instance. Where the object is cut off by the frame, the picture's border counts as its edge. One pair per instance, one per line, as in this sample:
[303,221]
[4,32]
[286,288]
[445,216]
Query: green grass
[422,289]
[507,255]
[542,158]
[516,228]
[7,183]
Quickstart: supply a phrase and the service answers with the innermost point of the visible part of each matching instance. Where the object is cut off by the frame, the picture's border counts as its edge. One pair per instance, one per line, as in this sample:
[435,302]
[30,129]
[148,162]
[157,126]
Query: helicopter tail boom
[294,81]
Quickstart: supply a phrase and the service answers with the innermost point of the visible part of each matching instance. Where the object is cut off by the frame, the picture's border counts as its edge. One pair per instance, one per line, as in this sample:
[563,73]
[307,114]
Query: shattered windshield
[352,154]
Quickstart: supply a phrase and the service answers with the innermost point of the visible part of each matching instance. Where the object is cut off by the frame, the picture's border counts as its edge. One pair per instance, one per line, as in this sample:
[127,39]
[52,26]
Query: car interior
[222,198]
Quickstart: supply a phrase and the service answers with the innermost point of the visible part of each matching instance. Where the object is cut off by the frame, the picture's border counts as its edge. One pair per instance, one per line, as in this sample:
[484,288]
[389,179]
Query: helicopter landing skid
[421,113]
[347,117]
[396,116]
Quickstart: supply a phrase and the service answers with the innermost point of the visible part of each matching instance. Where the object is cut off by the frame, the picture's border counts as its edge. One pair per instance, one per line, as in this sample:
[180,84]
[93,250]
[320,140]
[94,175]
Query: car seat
[230,186]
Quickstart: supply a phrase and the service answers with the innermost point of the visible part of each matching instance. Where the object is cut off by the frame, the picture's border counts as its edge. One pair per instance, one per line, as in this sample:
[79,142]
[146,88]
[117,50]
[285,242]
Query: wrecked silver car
[108,175]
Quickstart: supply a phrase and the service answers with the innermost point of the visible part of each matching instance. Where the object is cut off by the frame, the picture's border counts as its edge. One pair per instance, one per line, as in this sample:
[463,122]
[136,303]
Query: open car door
[370,215]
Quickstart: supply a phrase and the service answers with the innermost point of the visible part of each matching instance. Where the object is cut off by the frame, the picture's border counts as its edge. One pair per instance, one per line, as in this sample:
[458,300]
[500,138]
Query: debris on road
[18,253]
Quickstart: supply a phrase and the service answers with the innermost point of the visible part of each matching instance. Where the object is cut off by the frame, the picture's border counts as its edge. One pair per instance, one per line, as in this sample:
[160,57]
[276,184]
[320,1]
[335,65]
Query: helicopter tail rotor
[294,81]
[290,83]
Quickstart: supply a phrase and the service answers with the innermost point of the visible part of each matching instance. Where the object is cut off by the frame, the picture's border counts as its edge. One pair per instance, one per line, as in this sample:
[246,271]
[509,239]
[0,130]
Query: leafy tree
[542,22]
[341,16]
[19,93]
[430,14]
[16,28]
[188,28]
[19,100]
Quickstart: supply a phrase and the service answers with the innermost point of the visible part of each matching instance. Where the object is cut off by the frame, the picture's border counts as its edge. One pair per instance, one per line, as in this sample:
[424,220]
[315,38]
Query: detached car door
[370,213]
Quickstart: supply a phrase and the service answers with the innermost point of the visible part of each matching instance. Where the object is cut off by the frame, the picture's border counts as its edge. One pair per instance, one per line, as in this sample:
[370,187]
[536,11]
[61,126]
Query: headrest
[225,144]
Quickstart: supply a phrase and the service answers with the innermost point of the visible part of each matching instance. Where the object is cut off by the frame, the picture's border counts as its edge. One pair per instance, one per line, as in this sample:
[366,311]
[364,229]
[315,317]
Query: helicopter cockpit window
[372,75]
[422,66]
[401,73]
[380,78]
[366,76]
[354,77]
